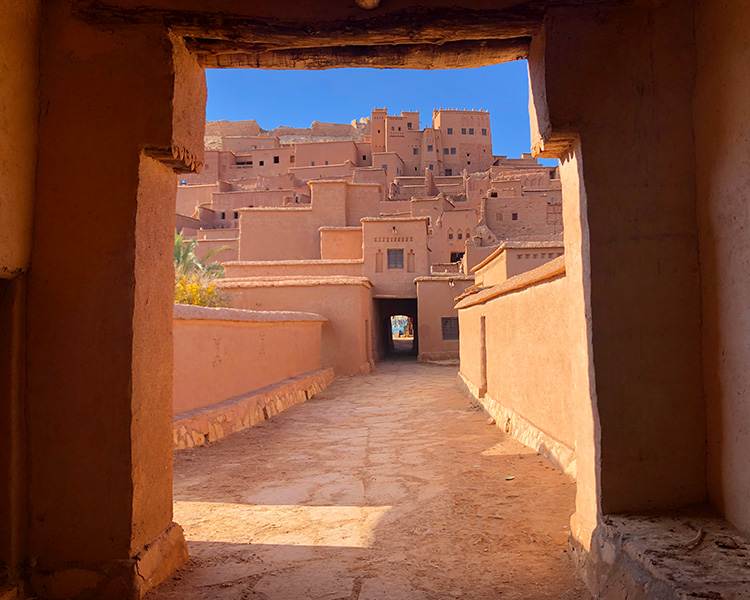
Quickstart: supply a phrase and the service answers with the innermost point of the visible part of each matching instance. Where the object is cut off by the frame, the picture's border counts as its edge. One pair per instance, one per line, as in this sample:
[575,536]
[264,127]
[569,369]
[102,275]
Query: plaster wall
[722,122]
[527,343]
[228,254]
[222,353]
[261,229]
[247,143]
[341,243]
[190,196]
[640,270]
[536,217]
[345,302]
[362,200]
[411,237]
[294,268]
[322,153]
[436,298]
[215,167]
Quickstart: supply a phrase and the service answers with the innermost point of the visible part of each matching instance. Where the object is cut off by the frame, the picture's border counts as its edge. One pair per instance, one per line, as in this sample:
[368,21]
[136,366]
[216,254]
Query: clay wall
[390,162]
[364,154]
[247,143]
[410,236]
[228,254]
[220,353]
[450,232]
[436,299]
[524,217]
[261,229]
[187,225]
[722,122]
[295,268]
[326,153]
[230,201]
[190,196]
[323,171]
[344,301]
[362,200]
[340,243]
[520,361]
[218,234]
[271,162]
[217,165]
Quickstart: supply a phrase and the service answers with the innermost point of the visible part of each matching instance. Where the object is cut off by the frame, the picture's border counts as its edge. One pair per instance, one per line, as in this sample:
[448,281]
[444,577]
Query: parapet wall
[222,353]
[515,359]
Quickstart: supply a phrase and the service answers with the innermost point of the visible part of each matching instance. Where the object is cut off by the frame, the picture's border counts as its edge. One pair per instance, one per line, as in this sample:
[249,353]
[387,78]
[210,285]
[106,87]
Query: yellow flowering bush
[194,289]
[194,278]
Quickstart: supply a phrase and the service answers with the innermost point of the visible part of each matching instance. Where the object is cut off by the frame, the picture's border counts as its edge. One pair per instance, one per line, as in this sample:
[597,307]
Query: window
[493,194]
[312,163]
[276,160]
[415,151]
[415,168]
[223,215]
[364,157]
[183,181]
[514,216]
[378,130]
[484,132]
[468,162]
[463,131]
[471,131]
[291,158]
[236,214]
[449,172]
[450,130]
[450,234]
[432,167]
[396,259]
[453,150]
[408,125]
[429,147]
[450,328]
[456,256]
[393,128]
[326,162]
[399,129]
[460,235]
[384,167]
[260,163]
[445,150]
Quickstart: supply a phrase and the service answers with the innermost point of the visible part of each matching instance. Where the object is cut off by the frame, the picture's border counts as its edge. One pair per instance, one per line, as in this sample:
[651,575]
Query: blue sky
[297,98]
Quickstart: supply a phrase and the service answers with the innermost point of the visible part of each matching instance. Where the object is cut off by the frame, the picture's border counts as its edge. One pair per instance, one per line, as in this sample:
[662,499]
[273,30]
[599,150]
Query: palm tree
[187,263]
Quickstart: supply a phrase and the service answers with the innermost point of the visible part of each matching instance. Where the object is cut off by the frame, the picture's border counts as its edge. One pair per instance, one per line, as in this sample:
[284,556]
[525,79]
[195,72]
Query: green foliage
[195,278]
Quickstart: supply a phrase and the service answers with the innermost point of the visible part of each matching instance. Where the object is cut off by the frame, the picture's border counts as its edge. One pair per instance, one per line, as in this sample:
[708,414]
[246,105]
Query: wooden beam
[451,55]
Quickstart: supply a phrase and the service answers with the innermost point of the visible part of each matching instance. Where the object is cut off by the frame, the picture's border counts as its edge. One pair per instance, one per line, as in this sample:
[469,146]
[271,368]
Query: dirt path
[383,487]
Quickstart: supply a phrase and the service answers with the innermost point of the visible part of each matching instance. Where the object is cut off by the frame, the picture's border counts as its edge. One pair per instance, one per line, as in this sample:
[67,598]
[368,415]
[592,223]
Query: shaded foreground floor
[388,487]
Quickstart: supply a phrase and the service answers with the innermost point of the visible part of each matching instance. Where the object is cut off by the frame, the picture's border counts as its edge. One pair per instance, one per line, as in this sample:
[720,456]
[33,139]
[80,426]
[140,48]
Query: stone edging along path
[207,424]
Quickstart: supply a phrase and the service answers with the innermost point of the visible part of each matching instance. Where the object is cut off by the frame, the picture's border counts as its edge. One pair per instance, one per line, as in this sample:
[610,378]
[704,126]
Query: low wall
[221,353]
[211,423]
[518,365]
[293,268]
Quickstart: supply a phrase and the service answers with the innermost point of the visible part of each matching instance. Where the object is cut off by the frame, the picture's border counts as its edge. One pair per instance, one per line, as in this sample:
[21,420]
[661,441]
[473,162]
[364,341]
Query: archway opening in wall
[359,271]
[402,335]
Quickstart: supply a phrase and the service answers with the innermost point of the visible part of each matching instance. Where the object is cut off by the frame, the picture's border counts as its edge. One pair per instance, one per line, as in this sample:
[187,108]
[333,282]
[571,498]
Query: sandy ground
[383,487]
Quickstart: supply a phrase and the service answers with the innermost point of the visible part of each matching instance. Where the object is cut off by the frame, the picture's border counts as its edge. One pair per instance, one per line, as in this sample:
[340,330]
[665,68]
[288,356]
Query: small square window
[484,132]
[415,151]
[460,235]
[432,167]
[449,172]
[429,147]
[399,129]
[453,150]
[450,130]
[260,163]
[396,259]
[291,158]
[236,214]
[445,150]
[514,216]
[408,125]
[384,167]
[471,131]
[463,131]
[326,162]
[312,163]
[450,235]
[223,215]
[493,194]
[450,328]
[364,157]
[276,160]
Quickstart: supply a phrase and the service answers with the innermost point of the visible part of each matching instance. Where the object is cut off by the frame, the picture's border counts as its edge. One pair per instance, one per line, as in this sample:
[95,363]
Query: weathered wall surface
[722,122]
[294,268]
[639,250]
[344,301]
[527,373]
[19,109]
[436,298]
[340,243]
[220,353]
